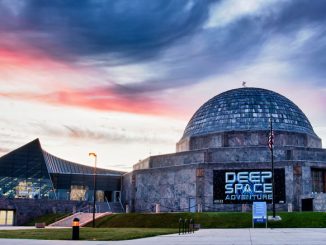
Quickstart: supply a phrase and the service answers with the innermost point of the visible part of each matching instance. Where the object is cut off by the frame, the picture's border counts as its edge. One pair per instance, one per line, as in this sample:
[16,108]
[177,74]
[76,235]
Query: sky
[122,78]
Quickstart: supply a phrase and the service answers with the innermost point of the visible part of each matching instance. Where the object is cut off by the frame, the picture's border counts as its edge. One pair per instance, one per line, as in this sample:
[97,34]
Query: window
[78,192]
[318,180]
[6,217]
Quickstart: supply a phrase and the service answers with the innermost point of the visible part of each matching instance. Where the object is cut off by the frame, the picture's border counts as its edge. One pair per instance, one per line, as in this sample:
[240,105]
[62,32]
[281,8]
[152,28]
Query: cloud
[228,11]
[99,134]
[137,29]
[100,98]
[170,37]
[4,150]
[294,32]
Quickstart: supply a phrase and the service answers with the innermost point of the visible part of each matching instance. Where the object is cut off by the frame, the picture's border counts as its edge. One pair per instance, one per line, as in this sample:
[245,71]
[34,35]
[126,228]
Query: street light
[271,147]
[92,154]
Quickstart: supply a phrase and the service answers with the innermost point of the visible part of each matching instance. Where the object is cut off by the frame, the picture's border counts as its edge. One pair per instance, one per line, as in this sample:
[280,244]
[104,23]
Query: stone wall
[170,187]
[27,209]
[142,164]
[207,141]
[319,202]
[172,179]
[232,155]
[173,186]
[183,145]
[247,138]
[309,154]
[128,190]
[168,160]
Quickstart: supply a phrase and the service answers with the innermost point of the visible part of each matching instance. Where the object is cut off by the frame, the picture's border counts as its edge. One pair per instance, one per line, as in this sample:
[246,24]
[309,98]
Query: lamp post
[92,154]
[271,146]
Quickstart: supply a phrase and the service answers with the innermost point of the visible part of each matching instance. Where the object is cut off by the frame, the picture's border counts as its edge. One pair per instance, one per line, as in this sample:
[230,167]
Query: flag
[271,140]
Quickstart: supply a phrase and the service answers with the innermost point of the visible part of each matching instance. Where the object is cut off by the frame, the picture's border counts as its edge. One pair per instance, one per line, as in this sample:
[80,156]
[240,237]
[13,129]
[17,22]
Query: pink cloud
[24,67]
[102,99]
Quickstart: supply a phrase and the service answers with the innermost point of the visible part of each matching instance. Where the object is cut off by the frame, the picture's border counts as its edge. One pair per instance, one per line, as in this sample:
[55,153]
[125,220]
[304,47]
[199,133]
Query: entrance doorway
[307,204]
[108,196]
[6,217]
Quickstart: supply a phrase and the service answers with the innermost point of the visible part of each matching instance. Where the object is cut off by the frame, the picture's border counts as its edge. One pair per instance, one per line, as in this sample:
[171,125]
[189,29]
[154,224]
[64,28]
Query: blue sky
[124,77]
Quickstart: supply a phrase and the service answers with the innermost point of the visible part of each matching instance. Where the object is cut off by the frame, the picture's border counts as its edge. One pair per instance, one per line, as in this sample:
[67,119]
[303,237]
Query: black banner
[247,186]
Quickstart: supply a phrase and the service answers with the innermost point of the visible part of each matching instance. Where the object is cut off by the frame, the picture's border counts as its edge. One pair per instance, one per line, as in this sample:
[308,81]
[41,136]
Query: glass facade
[81,187]
[23,174]
[30,172]
[247,108]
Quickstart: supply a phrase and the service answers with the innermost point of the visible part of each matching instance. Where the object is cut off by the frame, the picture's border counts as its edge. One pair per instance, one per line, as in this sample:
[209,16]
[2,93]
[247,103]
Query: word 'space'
[251,183]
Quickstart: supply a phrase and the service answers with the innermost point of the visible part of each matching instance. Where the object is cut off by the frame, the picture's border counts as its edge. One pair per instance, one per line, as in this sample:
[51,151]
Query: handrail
[119,199]
[108,204]
[83,208]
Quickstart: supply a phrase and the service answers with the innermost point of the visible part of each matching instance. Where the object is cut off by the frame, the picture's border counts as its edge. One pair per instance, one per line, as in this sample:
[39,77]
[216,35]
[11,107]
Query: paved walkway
[209,237]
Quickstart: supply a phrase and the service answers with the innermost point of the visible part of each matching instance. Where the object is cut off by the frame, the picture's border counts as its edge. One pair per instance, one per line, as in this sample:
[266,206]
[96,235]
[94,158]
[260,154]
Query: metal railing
[186,226]
[108,204]
[119,199]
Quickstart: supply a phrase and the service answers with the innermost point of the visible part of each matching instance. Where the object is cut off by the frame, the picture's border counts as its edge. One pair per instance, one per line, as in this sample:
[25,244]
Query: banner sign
[247,186]
[259,212]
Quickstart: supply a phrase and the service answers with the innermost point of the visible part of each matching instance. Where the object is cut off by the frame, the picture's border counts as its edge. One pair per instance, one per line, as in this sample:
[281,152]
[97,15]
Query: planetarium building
[222,163]
[223,159]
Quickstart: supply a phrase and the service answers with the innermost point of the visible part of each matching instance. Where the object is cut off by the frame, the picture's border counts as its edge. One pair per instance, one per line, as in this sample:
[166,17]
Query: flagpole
[272,157]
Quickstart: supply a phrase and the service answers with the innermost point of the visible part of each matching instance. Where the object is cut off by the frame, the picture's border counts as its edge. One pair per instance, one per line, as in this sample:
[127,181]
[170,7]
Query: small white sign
[259,212]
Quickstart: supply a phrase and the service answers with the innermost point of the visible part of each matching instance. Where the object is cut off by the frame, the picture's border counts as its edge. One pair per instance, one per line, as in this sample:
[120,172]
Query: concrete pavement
[209,237]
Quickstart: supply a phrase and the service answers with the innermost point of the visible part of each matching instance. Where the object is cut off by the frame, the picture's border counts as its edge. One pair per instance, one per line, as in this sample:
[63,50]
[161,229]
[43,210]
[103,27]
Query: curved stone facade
[247,138]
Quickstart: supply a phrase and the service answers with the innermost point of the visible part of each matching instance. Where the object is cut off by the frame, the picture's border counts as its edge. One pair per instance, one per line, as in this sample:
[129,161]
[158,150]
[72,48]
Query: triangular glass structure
[31,172]
[24,173]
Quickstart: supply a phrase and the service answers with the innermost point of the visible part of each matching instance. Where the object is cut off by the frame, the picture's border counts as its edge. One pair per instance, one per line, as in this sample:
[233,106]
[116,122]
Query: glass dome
[247,109]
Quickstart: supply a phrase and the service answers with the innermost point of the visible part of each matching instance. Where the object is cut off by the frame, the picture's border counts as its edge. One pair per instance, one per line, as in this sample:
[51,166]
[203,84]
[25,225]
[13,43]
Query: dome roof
[247,109]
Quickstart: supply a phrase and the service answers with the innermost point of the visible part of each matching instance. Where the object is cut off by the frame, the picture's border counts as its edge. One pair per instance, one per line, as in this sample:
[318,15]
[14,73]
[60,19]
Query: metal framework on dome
[246,109]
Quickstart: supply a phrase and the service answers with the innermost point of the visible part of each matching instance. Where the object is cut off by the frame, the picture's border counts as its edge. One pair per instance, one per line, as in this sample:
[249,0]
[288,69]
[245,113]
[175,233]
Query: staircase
[102,207]
[84,218]
[116,207]
[85,215]
[113,207]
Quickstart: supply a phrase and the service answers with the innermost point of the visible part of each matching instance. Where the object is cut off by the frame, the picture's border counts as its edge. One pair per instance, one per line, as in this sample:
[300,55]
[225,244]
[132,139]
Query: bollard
[188,226]
[193,226]
[75,229]
[185,226]
[180,224]
[190,222]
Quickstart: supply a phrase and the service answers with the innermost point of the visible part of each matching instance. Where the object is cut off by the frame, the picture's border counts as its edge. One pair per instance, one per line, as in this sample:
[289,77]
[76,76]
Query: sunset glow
[123,79]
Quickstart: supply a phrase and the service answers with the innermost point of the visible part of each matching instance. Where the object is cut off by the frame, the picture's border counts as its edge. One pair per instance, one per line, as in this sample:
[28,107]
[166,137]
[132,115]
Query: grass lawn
[135,225]
[211,220]
[47,219]
[101,234]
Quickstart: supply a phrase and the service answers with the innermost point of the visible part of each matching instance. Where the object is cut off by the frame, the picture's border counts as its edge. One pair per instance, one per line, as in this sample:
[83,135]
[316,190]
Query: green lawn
[47,219]
[135,225]
[211,220]
[101,234]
